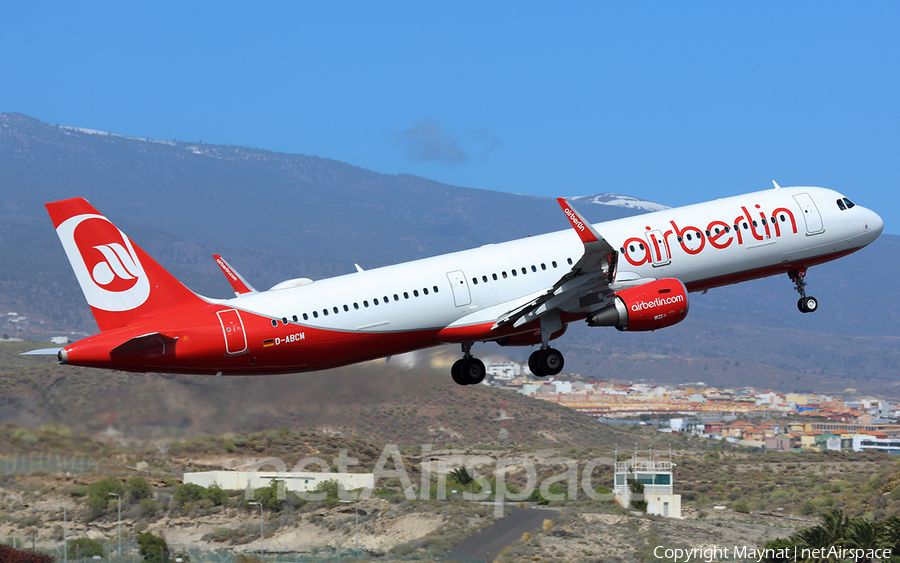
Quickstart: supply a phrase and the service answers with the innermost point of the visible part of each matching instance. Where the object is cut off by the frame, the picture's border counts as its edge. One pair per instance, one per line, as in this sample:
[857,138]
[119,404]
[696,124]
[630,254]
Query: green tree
[99,497]
[461,475]
[216,494]
[138,488]
[268,496]
[86,547]
[637,488]
[188,492]
[153,549]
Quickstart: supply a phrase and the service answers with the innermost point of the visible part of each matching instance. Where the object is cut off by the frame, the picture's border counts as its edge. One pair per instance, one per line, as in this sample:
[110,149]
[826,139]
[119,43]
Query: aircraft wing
[585,285]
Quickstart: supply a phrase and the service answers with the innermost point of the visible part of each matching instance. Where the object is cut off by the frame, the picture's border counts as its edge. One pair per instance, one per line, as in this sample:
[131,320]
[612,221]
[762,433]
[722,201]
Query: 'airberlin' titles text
[658,302]
[575,220]
[226,269]
[748,227]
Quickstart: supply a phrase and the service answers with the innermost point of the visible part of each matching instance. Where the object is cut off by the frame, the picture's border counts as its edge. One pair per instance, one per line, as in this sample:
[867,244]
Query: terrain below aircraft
[633,274]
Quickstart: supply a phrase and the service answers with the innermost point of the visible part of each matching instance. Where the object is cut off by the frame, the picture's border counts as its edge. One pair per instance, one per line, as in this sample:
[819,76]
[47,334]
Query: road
[486,544]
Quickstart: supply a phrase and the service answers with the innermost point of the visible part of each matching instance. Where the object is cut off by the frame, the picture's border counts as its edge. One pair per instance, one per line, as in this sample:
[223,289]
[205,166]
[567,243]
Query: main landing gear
[805,304]
[546,361]
[468,370]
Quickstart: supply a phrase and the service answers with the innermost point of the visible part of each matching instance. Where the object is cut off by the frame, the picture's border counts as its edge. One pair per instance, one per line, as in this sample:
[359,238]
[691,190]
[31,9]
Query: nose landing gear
[469,370]
[806,304]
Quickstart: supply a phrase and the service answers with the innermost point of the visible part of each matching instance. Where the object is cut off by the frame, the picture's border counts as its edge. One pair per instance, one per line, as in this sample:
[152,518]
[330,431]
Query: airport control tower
[656,477]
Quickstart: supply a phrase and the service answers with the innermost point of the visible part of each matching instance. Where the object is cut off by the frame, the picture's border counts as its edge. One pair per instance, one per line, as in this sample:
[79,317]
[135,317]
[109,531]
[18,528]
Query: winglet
[584,229]
[238,283]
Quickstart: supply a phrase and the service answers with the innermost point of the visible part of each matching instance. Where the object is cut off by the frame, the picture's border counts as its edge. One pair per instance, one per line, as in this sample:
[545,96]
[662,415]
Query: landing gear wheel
[456,373]
[472,371]
[546,362]
[534,363]
[553,361]
[807,304]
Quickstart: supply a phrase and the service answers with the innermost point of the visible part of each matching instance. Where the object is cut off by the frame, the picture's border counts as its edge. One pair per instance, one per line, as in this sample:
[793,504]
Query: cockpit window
[841,205]
[850,204]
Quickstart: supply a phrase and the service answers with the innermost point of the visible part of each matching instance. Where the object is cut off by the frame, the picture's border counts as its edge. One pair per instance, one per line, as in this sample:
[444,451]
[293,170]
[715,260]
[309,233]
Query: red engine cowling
[654,305]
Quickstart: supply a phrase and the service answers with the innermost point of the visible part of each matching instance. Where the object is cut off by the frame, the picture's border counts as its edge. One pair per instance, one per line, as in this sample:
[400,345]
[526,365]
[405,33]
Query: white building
[887,445]
[656,476]
[504,371]
[305,481]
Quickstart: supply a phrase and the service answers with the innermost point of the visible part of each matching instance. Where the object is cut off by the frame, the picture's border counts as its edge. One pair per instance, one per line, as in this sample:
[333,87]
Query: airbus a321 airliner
[633,274]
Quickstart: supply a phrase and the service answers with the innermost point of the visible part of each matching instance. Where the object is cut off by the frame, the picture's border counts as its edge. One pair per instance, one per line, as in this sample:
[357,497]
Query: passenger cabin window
[533,268]
[356,305]
[346,308]
[415,293]
[544,266]
[425,290]
[325,312]
[396,297]
[569,260]
[365,304]
[305,317]
[295,318]
[315,314]
[484,279]
[336,311]
[405,295]
[274,323]
[515,273]
[553,263]
[503,274]
[474,281]
[494,276]
[375,301]
[435,288]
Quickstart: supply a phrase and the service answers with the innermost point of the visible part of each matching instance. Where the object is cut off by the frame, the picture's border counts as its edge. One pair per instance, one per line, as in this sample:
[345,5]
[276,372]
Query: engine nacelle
[531,338]
[650,306]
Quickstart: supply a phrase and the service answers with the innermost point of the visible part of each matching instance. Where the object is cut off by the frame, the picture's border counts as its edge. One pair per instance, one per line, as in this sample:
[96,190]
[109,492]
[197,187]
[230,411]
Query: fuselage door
[233,329]
[811,214]
[461,295]
[659,252]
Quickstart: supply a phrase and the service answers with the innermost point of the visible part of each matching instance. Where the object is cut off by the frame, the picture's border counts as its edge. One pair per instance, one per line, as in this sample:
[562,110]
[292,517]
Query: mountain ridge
[275,217]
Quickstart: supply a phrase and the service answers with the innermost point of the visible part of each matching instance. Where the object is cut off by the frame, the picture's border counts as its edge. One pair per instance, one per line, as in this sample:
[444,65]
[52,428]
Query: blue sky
[670,101]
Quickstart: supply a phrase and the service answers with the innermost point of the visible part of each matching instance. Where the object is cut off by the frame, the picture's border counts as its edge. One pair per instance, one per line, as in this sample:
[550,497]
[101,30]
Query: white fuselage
[436,292]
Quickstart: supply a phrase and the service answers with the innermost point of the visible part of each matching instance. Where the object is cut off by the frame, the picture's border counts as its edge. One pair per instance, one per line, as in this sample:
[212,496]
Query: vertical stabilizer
[120,281]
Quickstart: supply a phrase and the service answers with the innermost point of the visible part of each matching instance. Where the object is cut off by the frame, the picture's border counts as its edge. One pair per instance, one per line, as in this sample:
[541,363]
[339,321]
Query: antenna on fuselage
[777,187]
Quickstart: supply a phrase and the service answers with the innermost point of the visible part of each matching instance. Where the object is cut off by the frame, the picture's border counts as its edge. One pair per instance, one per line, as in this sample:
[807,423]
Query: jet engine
[650,306]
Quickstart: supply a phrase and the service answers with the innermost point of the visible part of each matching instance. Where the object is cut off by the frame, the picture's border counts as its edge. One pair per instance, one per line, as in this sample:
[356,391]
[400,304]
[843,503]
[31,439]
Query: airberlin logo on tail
[117,263]
[105,263]
[658,302]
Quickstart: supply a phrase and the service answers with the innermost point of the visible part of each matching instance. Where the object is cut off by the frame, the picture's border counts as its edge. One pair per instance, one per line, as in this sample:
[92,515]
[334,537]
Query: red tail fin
[120,281]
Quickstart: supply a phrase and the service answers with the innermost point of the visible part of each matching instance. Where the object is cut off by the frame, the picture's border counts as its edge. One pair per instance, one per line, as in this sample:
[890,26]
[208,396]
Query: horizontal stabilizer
[42,352]
[153,344]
